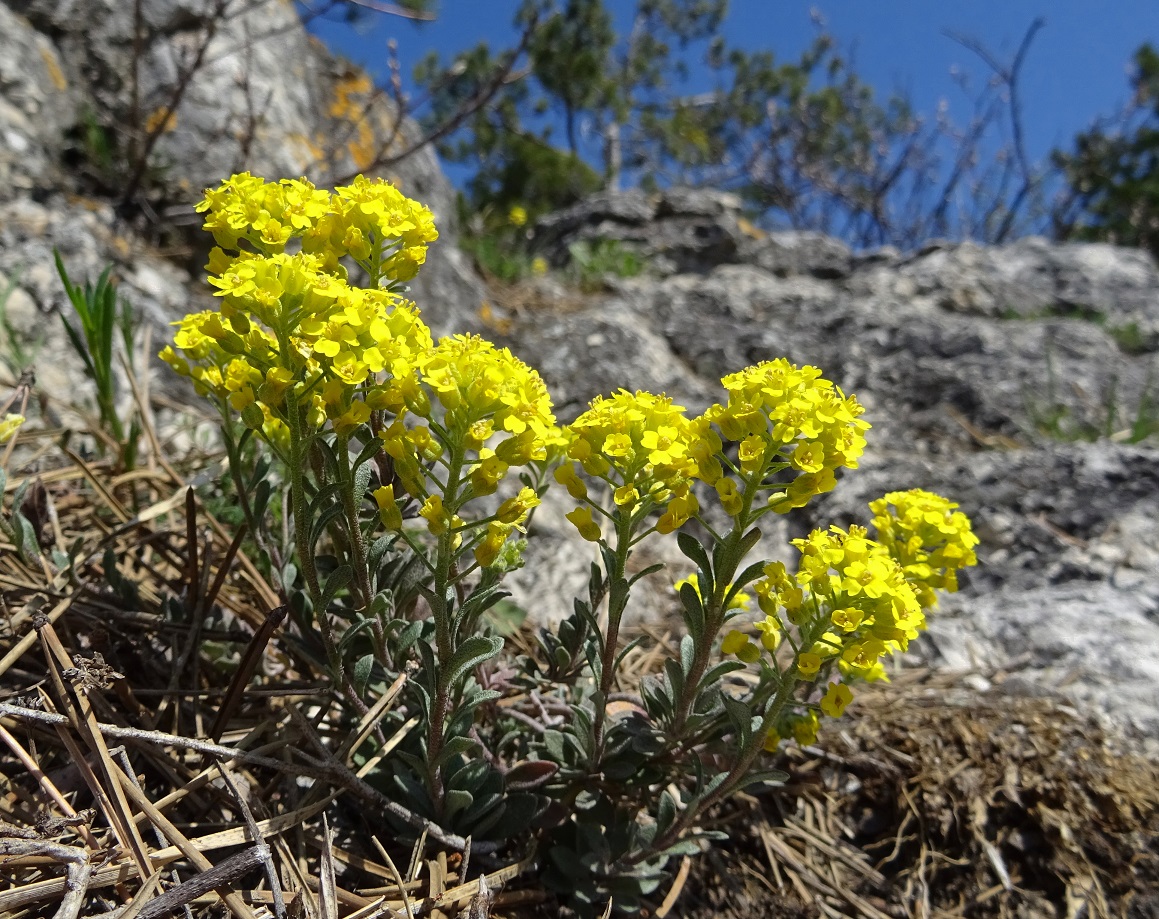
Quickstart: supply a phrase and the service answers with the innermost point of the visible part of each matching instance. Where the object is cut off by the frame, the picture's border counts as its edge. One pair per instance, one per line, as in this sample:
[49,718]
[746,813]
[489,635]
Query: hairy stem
[617,603]
[444,633]
[299,445]
[354,528]
[714,609]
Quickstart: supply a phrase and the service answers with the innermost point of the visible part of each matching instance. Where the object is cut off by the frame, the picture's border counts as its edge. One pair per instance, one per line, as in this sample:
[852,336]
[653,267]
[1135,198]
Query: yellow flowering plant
[413,467]
[637,463]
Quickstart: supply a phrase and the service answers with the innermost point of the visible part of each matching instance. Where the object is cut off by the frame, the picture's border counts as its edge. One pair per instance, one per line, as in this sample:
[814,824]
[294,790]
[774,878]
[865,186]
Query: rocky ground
[1022,381]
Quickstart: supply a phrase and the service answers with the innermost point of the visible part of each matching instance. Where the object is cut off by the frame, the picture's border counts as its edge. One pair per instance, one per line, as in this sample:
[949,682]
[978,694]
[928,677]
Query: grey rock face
[676,231]
[37,106]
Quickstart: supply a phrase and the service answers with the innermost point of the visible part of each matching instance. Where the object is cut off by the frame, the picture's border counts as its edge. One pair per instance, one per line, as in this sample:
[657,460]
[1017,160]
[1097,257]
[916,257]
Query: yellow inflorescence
[643,446]
[928,536]
[780,413]
[369,220]
[295,346]
[858,599]
[486,391]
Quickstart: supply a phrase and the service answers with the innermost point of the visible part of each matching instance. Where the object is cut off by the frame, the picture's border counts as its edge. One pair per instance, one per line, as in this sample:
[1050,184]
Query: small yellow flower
[808,664]
[581,519]
[805,729]
[8,426]
[438,520]
[626,496]
[738,643]
[514,510]
[771,632]
[569,479]
[388,511]
[488,549]
[730,499]
[836,698]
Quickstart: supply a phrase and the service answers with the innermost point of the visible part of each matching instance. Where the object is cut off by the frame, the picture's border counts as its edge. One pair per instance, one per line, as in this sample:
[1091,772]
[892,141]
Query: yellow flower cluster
[854,600]
[644,447]
[511,516]
[489,411]
[487,390]
[286,323]
[783,416]
[928,536]
[369,220]
[292,335]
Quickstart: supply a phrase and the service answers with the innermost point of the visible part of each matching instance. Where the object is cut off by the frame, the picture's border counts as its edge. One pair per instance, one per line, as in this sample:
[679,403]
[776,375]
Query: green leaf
[351,634]
[337,581]
[26,543]
[718,671]
[377,551]
[633,644]
[361,482]
[456,800]
[746,577]
[454,746]
[471,776]
[371,450]
[675,678]
[687,654]
[261,499]
[694,552]
[531,774]
[18,496]
[471,653]
[321,500]
[518,814]
[764,777]
[322,521]
[694,611]
[408,636]
[739,716]
[666,813]
[556,748]
[363,667]
[750,539]
[651,569]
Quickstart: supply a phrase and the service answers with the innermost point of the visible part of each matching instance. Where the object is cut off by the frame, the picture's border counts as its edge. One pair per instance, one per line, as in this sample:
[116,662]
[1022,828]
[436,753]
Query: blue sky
[1076,71]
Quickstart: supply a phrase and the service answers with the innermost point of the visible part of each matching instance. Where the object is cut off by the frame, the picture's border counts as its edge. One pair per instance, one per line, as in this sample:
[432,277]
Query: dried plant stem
[77,865]
[235,903]
[46,784]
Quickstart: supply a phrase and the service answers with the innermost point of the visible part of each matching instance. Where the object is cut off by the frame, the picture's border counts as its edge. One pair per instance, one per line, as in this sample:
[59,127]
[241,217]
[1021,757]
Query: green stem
[444,633]
[617,603]
[353,526]
[233,453]
[714,611]
[736,775]
[299,446]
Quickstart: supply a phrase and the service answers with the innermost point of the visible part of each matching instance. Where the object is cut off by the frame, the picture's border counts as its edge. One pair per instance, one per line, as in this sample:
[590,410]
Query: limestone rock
[37,107]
